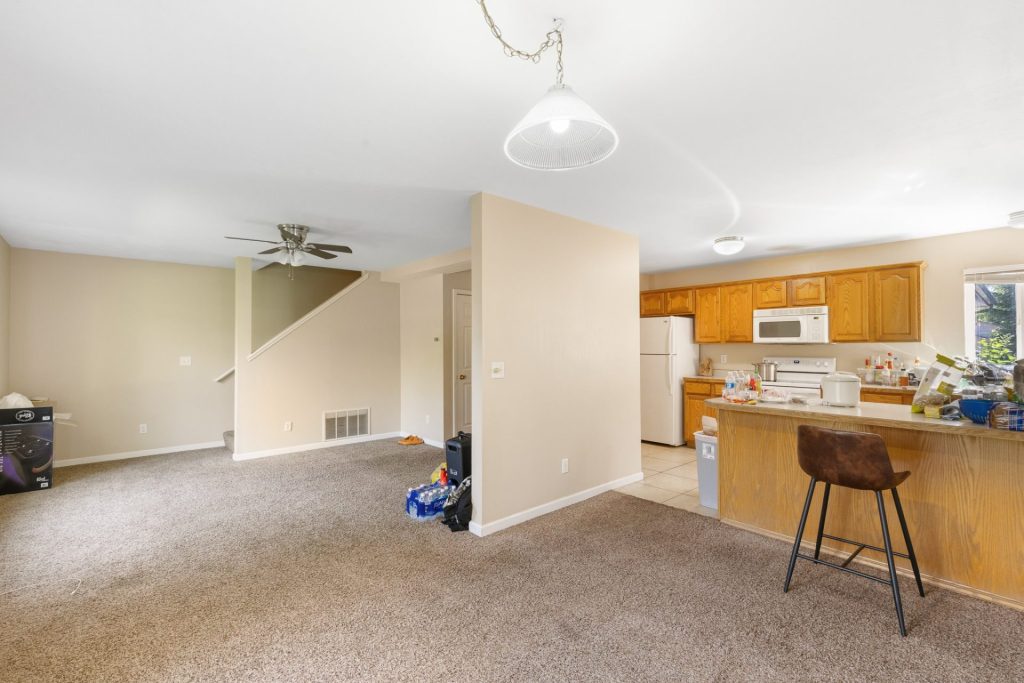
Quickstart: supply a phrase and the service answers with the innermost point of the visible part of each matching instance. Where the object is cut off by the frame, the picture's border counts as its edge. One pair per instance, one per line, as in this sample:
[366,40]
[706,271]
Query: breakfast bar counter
[964,499]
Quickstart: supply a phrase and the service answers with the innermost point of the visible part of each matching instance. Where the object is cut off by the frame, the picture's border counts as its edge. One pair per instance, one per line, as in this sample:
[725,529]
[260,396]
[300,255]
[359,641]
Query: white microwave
[804,325]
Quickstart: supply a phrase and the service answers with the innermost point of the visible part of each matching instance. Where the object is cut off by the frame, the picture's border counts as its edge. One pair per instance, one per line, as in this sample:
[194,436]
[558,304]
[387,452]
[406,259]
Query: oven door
[781,329]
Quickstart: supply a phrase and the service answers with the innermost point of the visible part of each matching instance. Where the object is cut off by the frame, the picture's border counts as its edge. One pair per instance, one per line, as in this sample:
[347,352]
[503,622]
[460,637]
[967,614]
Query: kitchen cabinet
[880,395]
[679,302]
[695,393]
[738,312]
[771,294]
[896,304]
[807,291]
[849,299]
[707,328]
[652,303]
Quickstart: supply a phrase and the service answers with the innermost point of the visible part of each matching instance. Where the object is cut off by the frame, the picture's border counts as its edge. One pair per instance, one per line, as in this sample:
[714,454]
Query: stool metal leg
[821,524]
[892,564]
[799,534]
[906,537]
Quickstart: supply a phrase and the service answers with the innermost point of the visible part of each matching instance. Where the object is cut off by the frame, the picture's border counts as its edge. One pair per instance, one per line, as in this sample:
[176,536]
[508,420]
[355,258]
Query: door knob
[462,377]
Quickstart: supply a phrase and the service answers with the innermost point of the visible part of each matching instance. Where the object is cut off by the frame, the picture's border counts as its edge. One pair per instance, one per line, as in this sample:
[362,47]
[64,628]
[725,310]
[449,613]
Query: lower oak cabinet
[695,392]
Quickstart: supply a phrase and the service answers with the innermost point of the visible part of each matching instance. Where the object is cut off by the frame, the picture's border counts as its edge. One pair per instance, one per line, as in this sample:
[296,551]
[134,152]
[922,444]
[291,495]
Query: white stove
[800,376]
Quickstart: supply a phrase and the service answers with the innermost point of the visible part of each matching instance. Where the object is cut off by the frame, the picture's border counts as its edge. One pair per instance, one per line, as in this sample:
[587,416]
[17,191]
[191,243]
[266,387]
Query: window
[994,314]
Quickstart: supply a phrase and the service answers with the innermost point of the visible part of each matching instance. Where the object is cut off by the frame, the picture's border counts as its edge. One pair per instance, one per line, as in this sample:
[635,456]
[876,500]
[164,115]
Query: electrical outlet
[287,426]
[426,419]
[143,428]
[185,361]
[723,358]
[565,465]
[497,369]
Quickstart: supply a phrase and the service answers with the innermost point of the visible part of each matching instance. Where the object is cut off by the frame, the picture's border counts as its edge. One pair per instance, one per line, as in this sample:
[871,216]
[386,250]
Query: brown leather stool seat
[855,460]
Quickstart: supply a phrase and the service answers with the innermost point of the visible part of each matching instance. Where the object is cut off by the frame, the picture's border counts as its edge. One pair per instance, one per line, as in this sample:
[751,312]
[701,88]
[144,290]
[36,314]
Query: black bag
[459,508]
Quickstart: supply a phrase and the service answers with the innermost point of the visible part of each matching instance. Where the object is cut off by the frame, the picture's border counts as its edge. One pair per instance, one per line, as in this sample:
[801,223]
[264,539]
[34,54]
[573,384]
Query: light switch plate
[497,369]
[184,361]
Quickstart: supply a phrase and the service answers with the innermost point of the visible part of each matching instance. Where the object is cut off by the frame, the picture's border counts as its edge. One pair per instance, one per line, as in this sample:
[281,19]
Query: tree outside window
[994,304]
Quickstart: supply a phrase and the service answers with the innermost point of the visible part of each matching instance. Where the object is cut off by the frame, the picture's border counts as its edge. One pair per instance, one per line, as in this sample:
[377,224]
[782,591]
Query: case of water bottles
[427,501]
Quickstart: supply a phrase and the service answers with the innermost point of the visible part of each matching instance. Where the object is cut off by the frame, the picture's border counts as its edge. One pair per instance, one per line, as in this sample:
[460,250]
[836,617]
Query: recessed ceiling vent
[1016,219]
[344,424]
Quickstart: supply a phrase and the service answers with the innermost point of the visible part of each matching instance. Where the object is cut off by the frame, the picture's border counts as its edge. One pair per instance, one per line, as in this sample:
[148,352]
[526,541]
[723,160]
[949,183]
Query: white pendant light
[561,132]
[727,246]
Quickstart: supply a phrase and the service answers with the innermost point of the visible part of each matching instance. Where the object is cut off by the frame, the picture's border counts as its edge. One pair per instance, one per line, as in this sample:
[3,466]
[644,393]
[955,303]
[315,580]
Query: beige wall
[281,297]
[942,291]
[462,280]
[5,316]
[556,299]
[346,356]
[102,338]
[422,357]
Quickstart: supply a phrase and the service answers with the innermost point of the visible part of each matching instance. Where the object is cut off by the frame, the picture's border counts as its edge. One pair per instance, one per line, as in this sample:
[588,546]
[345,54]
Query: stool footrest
[843,568]
[863,546]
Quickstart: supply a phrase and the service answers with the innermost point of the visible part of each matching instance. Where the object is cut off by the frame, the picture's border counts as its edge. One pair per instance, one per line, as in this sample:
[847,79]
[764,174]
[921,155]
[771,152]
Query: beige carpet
[304,568]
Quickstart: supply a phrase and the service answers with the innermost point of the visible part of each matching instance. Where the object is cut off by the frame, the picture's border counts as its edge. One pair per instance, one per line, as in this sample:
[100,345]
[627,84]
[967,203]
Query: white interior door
[462,393]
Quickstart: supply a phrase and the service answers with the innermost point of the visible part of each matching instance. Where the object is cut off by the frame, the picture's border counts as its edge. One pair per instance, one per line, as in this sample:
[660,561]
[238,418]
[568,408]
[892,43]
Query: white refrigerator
[667,354]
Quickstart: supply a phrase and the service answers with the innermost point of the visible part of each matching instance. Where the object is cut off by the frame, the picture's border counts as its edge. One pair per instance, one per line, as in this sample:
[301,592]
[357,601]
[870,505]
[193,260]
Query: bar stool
[859,461]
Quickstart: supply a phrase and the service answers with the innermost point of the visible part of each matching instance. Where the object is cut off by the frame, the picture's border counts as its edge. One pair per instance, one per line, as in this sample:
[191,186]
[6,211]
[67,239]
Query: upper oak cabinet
[807,291]
[771,294]
[679,302]
[896,303]
[708,324]
[849,299]
[652,303]
[738,312]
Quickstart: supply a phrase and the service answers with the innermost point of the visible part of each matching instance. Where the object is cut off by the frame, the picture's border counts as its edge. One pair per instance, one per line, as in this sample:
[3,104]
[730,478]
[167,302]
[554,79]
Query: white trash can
[707,469]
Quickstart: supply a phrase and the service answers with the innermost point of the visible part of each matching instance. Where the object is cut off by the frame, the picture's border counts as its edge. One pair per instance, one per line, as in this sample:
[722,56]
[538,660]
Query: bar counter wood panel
[964,499]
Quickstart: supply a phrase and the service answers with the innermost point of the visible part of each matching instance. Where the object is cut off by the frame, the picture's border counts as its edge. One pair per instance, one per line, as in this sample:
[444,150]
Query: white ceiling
[150,129]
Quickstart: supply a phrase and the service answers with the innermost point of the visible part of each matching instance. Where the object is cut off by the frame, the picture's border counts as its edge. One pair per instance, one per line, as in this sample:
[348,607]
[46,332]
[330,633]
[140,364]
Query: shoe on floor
[411,440]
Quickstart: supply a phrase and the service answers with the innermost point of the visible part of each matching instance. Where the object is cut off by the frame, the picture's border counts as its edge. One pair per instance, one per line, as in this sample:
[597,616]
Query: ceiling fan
[292,248]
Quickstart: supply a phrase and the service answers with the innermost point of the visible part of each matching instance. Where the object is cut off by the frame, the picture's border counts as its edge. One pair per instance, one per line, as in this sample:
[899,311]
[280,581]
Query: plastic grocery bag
[15,400]
[939,383]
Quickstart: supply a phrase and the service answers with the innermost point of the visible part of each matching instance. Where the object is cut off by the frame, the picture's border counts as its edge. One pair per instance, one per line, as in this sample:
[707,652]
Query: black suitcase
[459,455]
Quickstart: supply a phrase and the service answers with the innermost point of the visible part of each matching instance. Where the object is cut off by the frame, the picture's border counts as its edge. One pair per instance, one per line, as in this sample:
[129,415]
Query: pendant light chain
[553,38]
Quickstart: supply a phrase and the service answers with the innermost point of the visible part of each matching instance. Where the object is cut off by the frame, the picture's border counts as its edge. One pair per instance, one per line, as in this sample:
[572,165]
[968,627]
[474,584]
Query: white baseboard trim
[137,454]
[429,442]
[572,499]
[253,455]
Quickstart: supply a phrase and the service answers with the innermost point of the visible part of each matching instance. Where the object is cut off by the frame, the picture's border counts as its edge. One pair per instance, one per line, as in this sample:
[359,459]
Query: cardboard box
[26,449]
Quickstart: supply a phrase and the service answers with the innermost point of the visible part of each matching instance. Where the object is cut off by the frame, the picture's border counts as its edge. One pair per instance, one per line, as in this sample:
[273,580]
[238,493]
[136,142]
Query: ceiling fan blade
[310,249]
[272,251]
[332,247]
[248,239]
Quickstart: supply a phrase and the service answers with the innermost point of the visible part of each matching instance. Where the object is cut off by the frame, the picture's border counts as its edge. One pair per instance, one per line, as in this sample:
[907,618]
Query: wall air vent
[344,424]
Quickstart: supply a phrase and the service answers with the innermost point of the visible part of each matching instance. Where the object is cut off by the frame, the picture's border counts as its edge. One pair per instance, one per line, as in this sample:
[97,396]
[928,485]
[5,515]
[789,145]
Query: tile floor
[670,477]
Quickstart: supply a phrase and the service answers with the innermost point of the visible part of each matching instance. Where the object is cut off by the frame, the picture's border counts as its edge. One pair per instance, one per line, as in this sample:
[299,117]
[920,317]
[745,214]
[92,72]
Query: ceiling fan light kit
[727,246]
[292,249]
[561,132]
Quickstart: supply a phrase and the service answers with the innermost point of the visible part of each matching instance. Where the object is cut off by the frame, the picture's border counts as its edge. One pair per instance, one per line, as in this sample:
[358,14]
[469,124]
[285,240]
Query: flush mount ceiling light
[727,246]
[561,132]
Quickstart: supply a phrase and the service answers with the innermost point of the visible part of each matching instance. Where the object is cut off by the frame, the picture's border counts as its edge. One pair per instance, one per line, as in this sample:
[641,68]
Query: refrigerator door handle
[669,372]
[671,337]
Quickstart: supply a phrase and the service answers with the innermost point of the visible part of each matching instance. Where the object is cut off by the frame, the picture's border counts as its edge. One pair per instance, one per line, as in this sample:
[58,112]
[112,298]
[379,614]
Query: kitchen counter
[964,499]
[876,414]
